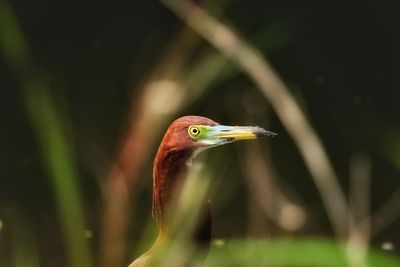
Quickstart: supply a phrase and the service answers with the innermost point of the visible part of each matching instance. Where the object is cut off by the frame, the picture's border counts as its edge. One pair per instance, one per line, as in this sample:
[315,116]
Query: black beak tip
[260,132]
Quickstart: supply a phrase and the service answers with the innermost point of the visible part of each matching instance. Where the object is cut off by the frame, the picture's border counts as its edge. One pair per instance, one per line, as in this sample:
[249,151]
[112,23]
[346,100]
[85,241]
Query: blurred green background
[91,63]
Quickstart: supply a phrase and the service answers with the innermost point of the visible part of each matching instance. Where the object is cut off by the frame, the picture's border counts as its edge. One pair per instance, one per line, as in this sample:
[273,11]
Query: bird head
[184,139]
[193,132]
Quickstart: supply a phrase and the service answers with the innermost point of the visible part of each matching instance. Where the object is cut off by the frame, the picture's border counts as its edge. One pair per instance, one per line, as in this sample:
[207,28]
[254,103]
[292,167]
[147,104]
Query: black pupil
[195,131]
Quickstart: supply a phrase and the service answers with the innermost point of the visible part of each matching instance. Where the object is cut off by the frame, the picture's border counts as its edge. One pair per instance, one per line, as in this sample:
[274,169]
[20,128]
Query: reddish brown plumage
[169,168]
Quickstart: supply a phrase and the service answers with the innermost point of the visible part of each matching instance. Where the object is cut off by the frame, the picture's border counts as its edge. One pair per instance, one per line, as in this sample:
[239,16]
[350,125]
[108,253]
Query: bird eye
[194,131]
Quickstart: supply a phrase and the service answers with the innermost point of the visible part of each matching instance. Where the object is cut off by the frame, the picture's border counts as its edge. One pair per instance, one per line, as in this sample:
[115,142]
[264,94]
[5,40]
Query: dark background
[340,59]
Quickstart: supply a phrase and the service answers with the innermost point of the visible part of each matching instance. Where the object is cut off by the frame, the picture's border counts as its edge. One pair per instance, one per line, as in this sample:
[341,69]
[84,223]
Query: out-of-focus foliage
[78,79]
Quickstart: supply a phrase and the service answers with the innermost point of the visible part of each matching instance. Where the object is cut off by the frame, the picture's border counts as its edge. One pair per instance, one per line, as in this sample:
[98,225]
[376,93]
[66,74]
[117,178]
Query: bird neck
[169,172]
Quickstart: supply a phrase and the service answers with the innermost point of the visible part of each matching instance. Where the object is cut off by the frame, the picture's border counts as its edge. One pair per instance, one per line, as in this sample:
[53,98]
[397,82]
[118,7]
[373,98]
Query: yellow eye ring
[193,131]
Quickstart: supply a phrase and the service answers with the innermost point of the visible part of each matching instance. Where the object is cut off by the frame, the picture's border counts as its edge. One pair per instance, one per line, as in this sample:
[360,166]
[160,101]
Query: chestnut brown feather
[170,167]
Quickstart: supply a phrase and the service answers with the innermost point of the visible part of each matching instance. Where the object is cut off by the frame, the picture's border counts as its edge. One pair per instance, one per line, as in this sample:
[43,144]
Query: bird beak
[222,134]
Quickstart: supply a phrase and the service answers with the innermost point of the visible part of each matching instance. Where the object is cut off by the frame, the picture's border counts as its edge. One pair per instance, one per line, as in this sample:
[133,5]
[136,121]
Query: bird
[183,140]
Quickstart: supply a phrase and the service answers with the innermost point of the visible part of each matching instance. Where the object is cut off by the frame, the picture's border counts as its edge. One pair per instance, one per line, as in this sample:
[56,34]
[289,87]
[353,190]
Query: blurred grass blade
[12,41]
[290,252]
[24,247]
[55,149]
[58,157]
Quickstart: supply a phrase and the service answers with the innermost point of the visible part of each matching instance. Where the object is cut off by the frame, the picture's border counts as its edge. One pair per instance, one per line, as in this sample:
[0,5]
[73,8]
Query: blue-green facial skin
[199,132]
[207,135]
[223,134]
